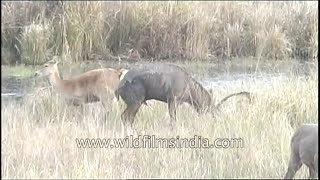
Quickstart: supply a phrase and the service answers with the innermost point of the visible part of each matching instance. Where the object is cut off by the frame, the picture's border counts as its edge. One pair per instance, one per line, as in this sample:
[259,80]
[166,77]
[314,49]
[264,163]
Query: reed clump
[159,30]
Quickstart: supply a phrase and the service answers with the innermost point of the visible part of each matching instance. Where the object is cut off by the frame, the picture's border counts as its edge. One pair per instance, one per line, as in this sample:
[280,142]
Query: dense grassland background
[34,32]
[39,132]
[39,128]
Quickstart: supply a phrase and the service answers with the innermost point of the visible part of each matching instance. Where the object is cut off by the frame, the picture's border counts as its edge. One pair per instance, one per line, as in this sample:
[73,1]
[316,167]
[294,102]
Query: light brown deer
[304,149]
[91,86]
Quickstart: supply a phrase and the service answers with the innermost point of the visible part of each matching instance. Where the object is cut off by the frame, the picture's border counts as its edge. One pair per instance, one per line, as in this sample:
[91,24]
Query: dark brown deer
[164,82]
[304,150]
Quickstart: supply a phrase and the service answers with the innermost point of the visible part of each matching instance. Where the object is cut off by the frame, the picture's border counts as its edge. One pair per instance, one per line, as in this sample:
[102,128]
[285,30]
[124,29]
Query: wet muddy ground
[264,73]
[213,75]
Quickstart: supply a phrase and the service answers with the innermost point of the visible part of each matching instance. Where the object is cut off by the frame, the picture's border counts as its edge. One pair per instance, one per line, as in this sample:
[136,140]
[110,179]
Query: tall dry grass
[162,30]
[38,135]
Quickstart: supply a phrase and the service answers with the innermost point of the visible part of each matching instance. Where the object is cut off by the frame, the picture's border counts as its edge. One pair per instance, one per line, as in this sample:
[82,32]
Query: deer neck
[56,81]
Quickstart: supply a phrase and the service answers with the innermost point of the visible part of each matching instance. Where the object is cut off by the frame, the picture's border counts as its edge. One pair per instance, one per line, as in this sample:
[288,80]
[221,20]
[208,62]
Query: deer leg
[130,112]
[125,115]
[103,101]
[312,169]
[104,105]
[91,98]
[74,102]
[312,173]
[315,165]
[133,94]
[294,165]
[134,111]
[172,106]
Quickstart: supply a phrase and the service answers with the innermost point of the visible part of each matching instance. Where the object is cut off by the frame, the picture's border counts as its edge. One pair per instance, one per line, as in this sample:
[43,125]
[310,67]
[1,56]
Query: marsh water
[212,75]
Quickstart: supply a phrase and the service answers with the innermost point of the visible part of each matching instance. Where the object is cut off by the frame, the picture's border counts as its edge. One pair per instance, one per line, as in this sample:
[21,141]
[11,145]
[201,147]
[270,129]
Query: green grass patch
[20,71]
